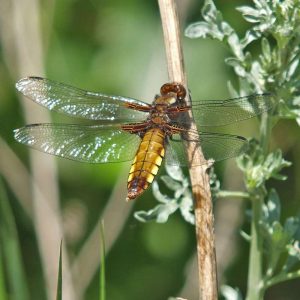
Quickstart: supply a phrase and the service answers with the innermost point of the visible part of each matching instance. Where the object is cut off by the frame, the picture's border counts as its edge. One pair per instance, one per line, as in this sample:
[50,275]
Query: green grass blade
[2,283]
[59,278]
[10,250]
[102,291]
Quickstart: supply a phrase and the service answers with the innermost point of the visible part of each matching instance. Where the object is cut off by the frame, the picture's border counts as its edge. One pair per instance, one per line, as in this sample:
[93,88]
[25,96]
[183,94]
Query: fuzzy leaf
[292,69]
[170,183]
[187,209]
[266,49]
[272,209]
[235,45]
[248,10]
[203,30]
[158,195]
[232,91]
[250,36]
[160,213]
[175,172]
[291,226]
[258,168]
[230,293]
[293,256]
[209,11]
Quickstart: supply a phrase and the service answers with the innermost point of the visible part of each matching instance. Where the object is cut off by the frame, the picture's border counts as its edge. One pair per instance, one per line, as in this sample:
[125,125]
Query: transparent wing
[92,144]
[215,146]
[224,112]
[75,102]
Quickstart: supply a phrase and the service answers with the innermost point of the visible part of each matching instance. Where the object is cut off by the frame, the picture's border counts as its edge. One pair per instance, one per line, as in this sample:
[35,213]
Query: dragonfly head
[173,89]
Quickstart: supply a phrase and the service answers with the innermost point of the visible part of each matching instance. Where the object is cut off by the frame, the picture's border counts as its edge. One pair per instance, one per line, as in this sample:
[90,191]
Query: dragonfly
[126,129]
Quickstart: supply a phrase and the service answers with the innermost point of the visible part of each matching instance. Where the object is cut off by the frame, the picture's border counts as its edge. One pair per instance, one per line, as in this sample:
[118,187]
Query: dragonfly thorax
[164,101]
[159,118]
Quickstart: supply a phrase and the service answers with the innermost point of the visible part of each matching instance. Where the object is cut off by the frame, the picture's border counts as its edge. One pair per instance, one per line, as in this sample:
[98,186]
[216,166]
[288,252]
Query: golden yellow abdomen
[146,163]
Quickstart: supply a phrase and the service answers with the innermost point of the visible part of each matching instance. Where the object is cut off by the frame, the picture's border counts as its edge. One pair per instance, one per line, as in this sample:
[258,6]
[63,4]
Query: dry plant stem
[16,175]
[198,172]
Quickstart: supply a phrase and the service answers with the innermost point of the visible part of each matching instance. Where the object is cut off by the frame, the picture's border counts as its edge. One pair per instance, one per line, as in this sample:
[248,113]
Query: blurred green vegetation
[117,47]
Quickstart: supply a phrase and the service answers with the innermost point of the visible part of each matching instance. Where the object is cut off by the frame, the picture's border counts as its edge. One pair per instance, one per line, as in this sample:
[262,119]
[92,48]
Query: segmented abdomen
[146,162]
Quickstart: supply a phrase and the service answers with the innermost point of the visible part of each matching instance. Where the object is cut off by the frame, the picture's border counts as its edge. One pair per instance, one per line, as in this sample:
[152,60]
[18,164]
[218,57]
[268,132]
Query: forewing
[215,146]
[75,102]
[92,144]
[218,113]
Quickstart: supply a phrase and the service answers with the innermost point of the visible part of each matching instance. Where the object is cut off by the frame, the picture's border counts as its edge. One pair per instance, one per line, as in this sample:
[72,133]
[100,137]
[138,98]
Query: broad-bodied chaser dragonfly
[126,129]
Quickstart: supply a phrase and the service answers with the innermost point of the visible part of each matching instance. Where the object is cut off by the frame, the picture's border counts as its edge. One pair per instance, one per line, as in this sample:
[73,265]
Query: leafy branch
[276,25]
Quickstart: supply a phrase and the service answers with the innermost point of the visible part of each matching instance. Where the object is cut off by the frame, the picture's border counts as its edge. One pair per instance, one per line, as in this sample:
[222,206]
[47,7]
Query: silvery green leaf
[257,3]
[296,101]
[248,61]
[258,168]
[225,28]
[178,193]
[277,163]
[245,87]
[175,172]
[233,61]
[245,236]
[256,72]
[146,216]
[209,11]
[171,183]
[215,185]
[294,250]
[291,226]
[203,30]
[249,11]
[158,195]
[273,207]
[251,19]
[250,36]
[293,256]
[160,213]
[235,45]
[266,49]
[237,65]
[187,209]
[292,68]
[287,112]
[232,91]
[230,293]
[164,211]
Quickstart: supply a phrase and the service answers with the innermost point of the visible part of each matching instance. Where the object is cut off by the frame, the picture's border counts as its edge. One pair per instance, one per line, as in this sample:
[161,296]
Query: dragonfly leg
[138,107]
[136,128]
[178,109]
[173,129]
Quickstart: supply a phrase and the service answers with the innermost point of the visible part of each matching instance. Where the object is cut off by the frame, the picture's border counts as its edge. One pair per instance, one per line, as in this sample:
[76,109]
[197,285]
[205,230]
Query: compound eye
[180,91]
[166,89]
[176,88]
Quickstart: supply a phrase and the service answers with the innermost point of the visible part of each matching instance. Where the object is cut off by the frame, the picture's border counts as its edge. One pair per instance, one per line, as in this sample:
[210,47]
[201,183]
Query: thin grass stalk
[102,285]
[10,253]
[59,277]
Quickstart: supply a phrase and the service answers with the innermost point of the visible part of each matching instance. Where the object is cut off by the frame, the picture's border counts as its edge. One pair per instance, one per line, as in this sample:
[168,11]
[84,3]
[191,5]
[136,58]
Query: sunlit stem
[255,289]
[233,194]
